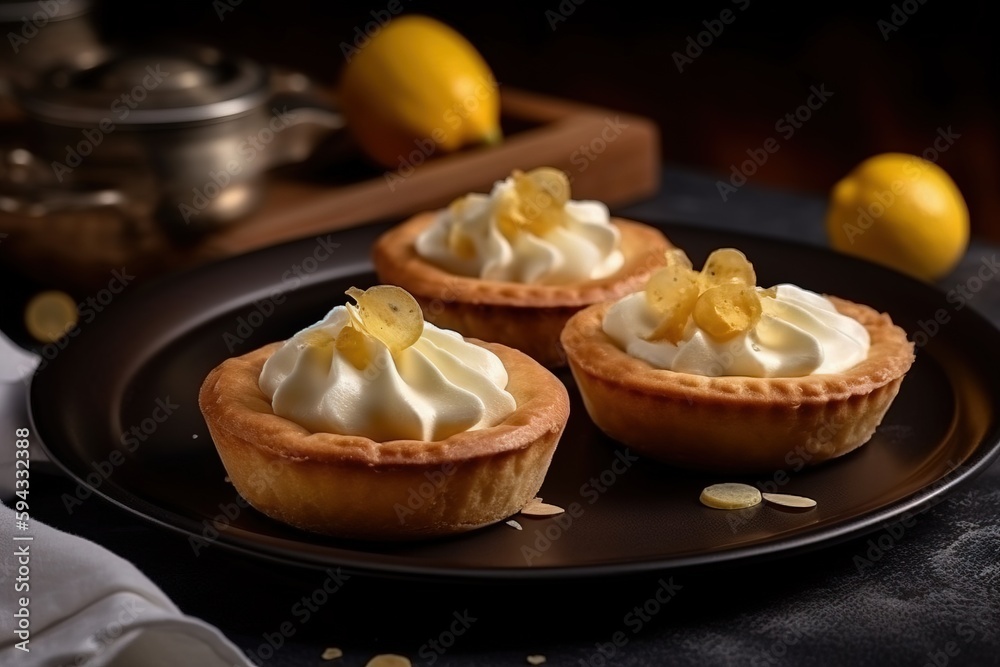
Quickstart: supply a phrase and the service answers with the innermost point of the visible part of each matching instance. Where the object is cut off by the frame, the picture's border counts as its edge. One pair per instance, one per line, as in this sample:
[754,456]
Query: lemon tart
[513,266]
[372,424]
[706,370]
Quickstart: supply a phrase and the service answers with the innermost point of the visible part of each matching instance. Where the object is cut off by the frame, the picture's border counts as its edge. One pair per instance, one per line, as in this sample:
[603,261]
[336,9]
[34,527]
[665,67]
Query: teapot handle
[308,117]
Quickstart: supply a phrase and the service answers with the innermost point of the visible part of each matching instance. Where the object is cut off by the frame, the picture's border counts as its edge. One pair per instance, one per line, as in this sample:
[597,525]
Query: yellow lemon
[418,89]
[901,211]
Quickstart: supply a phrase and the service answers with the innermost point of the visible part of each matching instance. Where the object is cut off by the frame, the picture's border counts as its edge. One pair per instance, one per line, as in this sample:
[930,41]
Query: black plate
[101,408]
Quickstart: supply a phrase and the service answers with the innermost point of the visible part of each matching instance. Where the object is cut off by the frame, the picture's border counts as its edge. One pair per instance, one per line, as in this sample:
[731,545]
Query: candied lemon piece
[457,207]
[510,220]
[353,346]
[727,265]
[679,257]
[390,314]
[722,298]
[730,496]
[317,338]
[727,310]
[319,346]
[768,293]
[668,285]
[672,293]
[536,202]
[460,244]
[549,180]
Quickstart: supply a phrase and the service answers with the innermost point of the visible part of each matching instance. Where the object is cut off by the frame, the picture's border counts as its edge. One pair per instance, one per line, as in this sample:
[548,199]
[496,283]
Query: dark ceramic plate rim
[981,457]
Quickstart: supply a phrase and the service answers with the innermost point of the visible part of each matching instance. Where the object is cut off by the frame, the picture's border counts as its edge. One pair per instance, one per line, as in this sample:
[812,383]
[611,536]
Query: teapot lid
[16,11]
[156,87]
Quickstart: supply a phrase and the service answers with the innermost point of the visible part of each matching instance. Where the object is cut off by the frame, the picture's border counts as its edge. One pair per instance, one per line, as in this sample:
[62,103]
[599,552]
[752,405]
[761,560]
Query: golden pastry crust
[730,423]
[523,316]
[354,487]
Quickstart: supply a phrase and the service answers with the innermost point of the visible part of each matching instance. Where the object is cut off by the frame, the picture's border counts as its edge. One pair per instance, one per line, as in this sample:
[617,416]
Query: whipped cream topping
[439,386]
[799,333]
[584,246]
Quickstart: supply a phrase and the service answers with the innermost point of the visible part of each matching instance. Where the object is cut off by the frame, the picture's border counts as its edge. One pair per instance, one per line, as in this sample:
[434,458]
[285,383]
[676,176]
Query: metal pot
[183,135]
[39,35]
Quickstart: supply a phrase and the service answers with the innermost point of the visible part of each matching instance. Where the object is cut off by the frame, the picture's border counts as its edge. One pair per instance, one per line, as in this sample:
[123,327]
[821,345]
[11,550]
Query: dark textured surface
[925,590]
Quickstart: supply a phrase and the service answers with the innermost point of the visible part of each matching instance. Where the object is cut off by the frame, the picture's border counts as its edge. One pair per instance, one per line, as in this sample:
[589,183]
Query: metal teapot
[182,135]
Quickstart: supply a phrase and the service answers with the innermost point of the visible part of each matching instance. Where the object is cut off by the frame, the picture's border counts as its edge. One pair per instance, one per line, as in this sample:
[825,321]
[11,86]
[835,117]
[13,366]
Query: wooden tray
[610,156]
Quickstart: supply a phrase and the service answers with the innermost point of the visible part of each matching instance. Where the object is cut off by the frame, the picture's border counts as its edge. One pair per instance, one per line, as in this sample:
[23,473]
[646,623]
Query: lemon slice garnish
[727,310]
[388,313]
[727,265]
[722,298]
[672,293]
[535,204]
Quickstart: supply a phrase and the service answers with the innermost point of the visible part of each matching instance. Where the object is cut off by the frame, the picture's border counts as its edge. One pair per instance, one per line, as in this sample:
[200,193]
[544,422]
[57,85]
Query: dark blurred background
[895,84]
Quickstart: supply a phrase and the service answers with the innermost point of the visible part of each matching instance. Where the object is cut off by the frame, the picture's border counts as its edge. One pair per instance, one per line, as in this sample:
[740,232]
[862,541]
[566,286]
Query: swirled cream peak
[718,322]
[527,230]
[361,371]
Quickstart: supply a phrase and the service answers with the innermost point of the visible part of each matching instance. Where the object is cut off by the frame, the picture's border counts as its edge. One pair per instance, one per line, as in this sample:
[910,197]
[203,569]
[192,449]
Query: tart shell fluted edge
[736,424]
[353,487]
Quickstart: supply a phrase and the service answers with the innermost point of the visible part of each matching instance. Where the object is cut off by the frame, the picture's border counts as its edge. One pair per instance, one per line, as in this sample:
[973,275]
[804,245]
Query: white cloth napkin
[85,605]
